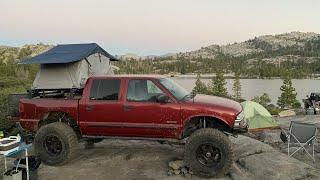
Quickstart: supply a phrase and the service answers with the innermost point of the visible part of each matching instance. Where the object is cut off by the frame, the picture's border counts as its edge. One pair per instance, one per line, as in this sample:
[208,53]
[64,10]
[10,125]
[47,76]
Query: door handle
[89,108]
[127,107]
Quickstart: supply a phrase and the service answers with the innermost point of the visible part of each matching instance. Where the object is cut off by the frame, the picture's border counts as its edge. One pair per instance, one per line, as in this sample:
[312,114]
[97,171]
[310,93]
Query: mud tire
[215,139]
[68,143]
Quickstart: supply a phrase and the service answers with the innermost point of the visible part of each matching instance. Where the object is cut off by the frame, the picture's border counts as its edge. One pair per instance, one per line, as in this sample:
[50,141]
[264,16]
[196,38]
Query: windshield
[176,90]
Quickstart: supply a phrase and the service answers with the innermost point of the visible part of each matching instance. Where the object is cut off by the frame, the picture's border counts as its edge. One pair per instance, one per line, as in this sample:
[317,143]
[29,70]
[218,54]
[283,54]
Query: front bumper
[240,130]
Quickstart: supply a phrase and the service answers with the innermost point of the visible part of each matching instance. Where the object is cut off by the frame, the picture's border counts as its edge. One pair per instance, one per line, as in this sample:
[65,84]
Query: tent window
[105,89]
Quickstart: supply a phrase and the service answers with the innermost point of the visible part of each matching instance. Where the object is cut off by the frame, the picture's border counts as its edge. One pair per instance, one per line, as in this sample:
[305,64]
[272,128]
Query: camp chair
[301,135]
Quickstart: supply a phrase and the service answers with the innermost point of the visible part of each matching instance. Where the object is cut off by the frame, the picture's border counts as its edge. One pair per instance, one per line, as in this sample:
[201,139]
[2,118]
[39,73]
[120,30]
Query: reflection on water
[255,87]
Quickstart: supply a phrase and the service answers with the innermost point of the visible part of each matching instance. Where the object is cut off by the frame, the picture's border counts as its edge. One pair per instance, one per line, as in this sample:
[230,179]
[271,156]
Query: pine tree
[264,99]
[200,87]
[288,97]
[218,85]
[236,87]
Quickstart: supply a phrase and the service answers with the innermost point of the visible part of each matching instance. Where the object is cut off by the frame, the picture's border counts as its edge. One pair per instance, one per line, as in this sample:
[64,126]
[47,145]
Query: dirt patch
[116,159]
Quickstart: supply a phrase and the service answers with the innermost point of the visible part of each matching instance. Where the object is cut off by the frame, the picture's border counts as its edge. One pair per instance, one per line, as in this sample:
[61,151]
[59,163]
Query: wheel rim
[52,145]
[208,155]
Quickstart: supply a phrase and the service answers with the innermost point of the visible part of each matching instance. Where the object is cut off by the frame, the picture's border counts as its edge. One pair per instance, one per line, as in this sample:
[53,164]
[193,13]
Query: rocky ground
[134,159]
[115,159]
[272,137]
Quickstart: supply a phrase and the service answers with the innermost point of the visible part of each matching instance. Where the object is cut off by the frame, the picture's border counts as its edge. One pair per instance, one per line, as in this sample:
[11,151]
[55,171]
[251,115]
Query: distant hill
[260,57]
[132,56]
[8,53]
[291,46]
[301,45]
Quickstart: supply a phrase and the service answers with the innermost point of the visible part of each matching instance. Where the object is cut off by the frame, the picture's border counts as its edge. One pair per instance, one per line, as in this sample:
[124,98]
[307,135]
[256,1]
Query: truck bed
[33,110]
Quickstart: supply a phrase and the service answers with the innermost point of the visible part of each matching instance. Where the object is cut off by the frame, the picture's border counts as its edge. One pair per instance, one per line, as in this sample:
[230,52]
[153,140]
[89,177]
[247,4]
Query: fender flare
[185,121]
[46,114]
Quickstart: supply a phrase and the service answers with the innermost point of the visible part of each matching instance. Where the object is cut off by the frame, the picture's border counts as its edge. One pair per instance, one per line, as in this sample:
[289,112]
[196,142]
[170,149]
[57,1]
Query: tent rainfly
[257,116]
[68,66]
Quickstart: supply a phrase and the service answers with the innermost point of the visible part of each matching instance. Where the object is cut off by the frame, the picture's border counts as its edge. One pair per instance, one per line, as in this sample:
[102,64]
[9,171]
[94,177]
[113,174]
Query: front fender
[226,122]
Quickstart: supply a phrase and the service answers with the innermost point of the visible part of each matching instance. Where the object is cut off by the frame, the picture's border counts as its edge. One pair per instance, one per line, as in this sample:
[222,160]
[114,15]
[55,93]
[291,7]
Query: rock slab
[177,164]
[287,113]
[256,160]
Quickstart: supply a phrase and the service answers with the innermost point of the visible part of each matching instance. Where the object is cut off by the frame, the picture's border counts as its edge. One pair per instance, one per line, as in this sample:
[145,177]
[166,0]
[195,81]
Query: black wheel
[56,143]
[208,153]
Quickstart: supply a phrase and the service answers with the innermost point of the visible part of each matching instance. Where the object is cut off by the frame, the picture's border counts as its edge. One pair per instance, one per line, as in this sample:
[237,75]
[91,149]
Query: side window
[105,89]
[143,91]
[152,88]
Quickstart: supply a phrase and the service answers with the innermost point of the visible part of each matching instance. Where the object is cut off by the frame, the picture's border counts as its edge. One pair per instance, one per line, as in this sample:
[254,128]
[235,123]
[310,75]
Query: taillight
[21,108]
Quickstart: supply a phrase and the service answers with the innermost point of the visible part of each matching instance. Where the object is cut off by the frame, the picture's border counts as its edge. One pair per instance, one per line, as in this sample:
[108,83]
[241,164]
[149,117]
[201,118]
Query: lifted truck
[136,107]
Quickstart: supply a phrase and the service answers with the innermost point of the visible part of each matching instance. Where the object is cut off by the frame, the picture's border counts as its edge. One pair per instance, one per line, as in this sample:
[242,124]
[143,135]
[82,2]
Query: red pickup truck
[136,107]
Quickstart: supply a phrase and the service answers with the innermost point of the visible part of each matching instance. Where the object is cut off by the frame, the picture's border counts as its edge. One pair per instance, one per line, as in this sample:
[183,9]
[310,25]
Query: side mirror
[162,98]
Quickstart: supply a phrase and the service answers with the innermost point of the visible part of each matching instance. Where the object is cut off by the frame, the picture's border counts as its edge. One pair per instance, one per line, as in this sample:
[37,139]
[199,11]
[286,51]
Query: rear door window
[105,89]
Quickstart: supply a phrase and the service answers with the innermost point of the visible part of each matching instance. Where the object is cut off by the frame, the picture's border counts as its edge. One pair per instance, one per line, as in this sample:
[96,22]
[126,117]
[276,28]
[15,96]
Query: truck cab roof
[147,76]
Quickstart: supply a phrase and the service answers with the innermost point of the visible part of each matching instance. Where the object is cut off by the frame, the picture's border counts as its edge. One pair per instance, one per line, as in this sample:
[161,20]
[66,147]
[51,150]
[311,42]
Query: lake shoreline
[231,76]
[256,87]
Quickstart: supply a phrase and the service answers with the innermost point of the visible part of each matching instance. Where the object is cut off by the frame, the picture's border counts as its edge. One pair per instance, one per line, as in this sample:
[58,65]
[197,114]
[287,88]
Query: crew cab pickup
[140,107]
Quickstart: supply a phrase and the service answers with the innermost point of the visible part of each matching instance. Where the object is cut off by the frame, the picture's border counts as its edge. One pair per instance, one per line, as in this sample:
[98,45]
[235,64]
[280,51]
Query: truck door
[101,110]
[147,117]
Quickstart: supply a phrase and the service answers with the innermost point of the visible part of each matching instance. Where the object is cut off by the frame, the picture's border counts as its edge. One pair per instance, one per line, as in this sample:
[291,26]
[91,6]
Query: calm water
[255,87]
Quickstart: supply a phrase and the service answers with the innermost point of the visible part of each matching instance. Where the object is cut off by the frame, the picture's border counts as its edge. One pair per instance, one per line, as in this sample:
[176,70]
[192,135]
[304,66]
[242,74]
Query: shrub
[296,104]
[4,92]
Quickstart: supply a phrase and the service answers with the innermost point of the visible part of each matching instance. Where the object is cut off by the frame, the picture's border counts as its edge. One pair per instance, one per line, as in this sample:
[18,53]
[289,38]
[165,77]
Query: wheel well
[199,122]
[52,117]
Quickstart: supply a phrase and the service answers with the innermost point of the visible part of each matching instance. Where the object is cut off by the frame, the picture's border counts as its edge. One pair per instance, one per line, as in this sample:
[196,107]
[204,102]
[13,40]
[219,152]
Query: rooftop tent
[69,66]
[257,116]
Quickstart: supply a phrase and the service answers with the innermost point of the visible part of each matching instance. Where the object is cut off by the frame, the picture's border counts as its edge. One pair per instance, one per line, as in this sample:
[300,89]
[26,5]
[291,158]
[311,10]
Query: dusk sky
[156,27]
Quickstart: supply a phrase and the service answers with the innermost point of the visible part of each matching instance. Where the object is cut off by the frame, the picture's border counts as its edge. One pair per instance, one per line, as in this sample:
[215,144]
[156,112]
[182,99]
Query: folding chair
[301,135]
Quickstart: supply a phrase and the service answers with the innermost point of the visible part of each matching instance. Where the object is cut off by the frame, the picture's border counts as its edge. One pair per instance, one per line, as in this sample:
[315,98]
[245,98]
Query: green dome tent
[257,116]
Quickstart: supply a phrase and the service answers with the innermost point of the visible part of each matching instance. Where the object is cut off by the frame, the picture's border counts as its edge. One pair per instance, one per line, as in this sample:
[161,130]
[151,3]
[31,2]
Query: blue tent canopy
[67,53]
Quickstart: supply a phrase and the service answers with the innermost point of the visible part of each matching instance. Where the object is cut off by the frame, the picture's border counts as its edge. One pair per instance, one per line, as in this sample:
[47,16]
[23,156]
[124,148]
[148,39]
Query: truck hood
[216,102]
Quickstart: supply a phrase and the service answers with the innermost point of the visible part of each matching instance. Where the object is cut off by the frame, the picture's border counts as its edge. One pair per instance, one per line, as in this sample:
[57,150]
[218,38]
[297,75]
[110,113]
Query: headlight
[240,120]
[240,117]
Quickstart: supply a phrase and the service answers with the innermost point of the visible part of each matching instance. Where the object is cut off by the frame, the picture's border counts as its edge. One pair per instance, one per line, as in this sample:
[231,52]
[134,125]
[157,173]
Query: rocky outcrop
[177,164]
[257,45]
[271,137]
[287,113]
[256,160]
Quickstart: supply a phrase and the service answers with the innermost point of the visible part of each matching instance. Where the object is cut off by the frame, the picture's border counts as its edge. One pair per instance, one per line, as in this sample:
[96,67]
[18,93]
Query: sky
[152,27]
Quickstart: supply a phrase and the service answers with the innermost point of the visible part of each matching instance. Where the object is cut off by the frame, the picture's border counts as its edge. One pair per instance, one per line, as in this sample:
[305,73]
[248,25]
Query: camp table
[13,147]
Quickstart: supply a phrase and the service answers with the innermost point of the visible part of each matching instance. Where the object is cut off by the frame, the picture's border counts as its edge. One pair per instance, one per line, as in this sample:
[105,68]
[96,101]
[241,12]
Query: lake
[256,87]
